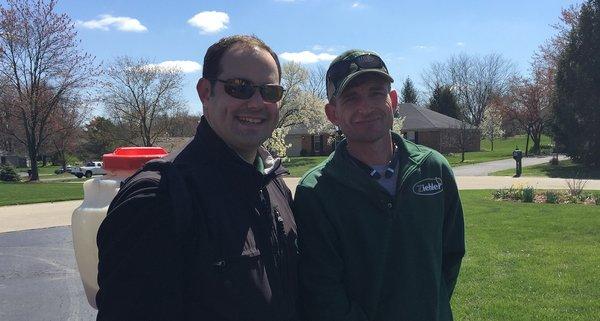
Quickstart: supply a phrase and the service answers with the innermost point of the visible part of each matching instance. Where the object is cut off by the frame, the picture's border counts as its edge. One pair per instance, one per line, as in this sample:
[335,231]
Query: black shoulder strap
[282,187]
[173,183]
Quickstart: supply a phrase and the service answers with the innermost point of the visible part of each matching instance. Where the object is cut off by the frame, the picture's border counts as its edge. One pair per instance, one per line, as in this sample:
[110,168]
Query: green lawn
[42,171]
[503,148]
[47,172]
[564,169]
[528,261]
[300,165]
[26,193]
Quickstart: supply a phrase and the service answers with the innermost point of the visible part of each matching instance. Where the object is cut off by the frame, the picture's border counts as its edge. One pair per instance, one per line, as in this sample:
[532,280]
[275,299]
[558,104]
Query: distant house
[438,131]
[8,158]
[305,144]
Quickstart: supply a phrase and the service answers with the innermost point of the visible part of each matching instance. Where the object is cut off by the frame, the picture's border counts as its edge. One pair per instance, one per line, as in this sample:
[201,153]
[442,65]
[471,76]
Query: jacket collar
[208,149]
[343,170]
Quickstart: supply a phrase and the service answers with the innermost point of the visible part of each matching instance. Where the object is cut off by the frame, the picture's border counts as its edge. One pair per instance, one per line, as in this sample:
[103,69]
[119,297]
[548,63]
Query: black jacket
[235,260]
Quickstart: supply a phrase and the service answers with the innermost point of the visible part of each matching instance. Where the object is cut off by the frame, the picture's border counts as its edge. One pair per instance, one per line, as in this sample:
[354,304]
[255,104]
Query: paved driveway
[484,169]
[39,279]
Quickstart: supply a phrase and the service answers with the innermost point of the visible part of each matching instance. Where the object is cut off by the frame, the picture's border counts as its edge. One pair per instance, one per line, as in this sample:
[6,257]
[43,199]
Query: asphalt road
[39,279]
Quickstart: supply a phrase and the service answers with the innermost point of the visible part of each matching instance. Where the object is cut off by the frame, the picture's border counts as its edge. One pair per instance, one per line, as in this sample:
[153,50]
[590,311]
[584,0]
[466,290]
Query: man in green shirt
[381,232]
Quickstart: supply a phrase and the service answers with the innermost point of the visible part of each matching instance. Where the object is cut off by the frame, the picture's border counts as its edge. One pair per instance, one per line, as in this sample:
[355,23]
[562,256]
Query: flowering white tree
[491,125]
[302,104]
[276,144]
[397,125]
[313,116]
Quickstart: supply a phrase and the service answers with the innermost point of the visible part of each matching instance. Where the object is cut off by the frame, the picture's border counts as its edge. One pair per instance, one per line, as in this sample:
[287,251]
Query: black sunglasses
[341,69]
[244,89]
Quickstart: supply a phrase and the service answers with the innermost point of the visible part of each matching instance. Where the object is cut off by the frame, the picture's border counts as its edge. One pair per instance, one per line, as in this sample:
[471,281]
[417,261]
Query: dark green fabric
[367,255]
[259,164]
[336,86]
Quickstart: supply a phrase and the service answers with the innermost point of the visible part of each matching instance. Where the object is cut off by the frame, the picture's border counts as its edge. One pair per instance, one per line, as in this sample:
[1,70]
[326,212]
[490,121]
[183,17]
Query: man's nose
[256,101]
[363,105]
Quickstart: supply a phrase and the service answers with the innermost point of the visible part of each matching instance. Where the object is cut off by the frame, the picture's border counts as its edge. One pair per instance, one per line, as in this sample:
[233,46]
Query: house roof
[422,118]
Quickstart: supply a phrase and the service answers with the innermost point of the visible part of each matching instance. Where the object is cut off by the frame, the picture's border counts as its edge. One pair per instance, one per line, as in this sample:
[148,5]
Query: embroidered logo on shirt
[428,186]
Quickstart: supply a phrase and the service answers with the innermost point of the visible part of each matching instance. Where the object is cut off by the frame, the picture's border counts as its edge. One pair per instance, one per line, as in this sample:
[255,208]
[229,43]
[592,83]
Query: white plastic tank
[98,193]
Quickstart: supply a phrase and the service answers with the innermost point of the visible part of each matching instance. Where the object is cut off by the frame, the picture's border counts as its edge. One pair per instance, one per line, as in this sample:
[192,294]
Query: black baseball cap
[350,65]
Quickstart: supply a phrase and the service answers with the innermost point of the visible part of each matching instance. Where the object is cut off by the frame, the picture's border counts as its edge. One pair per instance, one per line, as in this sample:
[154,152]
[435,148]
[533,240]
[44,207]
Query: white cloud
[120,23]
[185,66]
[306,57]
[461,44]
[358,5]
[424,48]
[210,21]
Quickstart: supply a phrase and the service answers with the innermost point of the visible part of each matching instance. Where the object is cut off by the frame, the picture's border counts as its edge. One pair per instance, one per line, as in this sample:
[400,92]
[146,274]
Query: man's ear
[331,113]
[394,97]
[203,87]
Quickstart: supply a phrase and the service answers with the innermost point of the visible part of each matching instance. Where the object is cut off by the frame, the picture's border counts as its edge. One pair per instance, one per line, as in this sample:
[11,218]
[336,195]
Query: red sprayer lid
[131,158]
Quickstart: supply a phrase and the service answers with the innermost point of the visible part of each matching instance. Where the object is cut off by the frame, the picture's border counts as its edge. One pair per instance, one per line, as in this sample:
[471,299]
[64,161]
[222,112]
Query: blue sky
[409,35]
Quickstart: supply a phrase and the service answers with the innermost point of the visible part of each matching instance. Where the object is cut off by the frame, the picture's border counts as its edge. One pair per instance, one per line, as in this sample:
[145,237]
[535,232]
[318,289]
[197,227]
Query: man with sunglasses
[208,233]
[380,221]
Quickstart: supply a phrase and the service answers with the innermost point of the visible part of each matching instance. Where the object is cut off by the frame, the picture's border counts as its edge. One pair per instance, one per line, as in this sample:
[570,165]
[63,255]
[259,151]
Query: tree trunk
[492,141]
[63,160]
[462,156]
[537,138]
[527,145]
[34,176]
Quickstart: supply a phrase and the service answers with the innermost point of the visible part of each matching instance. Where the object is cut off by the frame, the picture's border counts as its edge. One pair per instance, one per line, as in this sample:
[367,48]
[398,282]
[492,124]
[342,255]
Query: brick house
[305,144]
[438,131]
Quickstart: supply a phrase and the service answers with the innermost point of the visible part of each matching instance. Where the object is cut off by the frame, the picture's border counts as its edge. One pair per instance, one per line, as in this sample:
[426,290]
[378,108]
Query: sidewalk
[484,169]
[34,216]
[44,215]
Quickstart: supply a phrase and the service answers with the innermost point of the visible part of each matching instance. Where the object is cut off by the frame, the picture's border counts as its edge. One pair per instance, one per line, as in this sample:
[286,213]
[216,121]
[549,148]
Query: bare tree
[548,54]
[7,121]
[475,81]
[142,98]
[528,103]
[293,78]
[316,82]
[41,61]
[464,138]
[65,124]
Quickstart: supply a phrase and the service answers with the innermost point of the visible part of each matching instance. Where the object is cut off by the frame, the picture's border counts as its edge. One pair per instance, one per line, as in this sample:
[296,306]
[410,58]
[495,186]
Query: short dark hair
[212,60]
